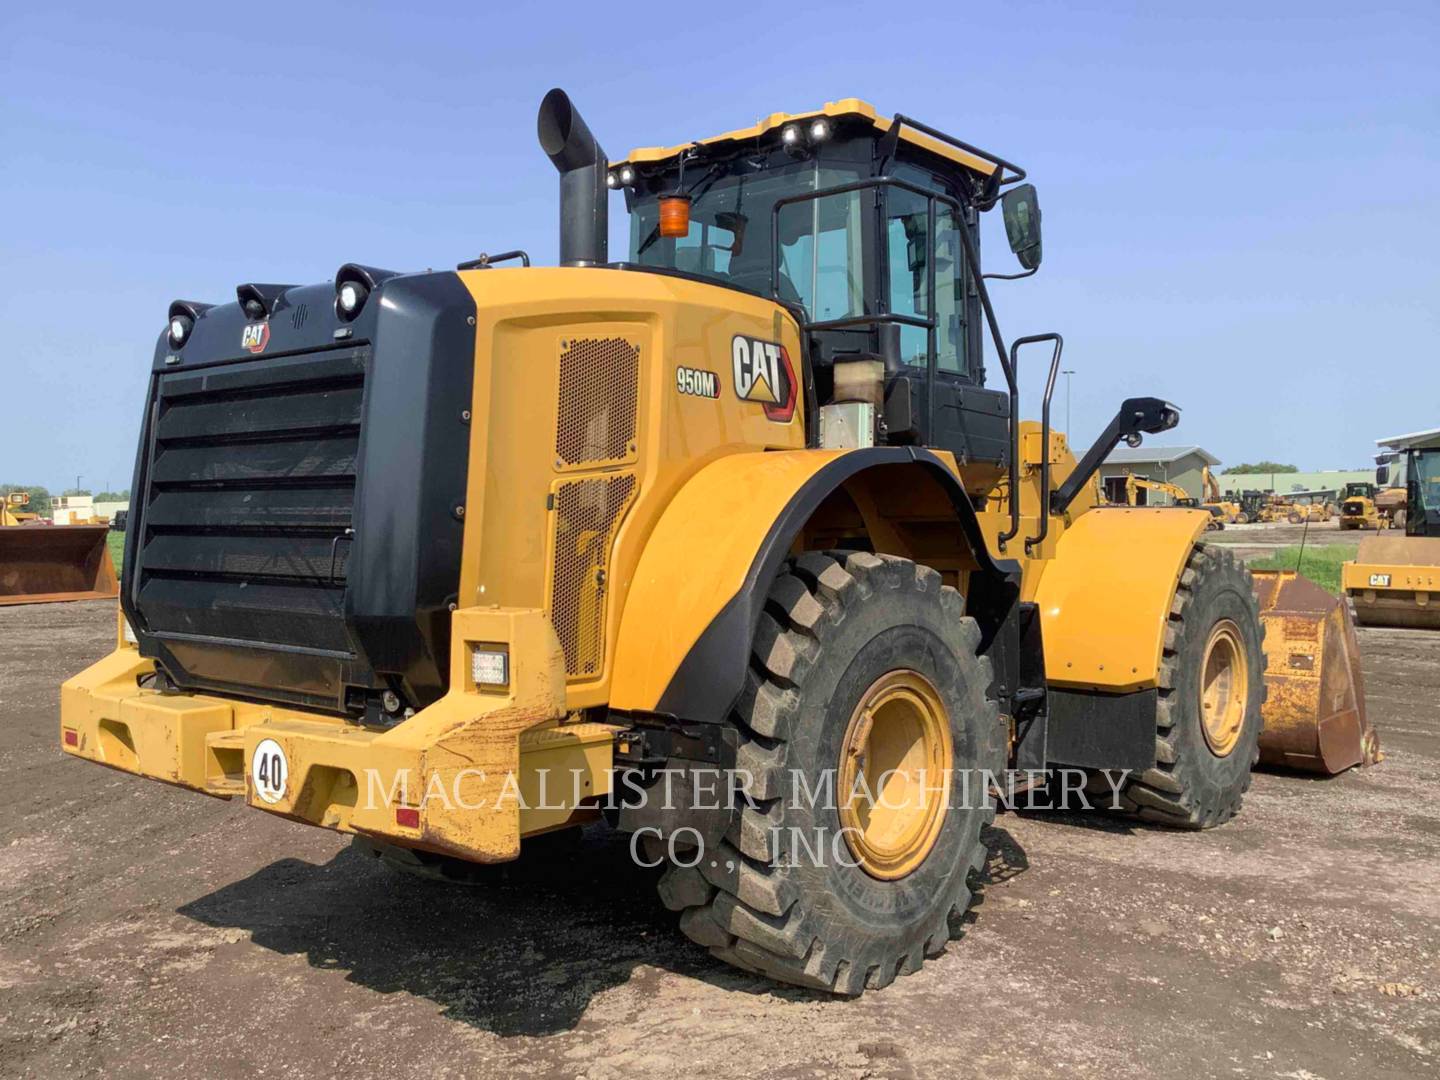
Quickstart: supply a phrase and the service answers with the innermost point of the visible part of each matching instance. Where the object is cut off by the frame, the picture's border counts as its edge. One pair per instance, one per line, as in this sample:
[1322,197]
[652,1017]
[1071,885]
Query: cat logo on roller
[763,373]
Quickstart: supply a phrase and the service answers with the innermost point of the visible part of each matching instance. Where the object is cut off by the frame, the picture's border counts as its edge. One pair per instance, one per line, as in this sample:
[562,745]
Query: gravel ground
[149,931]
[1260,541]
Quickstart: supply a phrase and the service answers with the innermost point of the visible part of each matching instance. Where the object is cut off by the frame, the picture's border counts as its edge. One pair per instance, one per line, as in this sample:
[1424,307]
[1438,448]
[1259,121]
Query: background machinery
[1395,578]
[1180,498]
[1391,487]
[1230,510]
[40,562]
[752,507]
[1357,508]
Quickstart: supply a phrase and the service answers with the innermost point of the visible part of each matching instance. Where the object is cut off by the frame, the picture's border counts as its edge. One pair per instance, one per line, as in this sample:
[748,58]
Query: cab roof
[1416,440]
[845,108]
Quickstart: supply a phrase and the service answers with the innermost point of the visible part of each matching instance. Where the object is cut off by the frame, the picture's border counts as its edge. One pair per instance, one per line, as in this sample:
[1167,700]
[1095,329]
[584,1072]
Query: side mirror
[1021,209]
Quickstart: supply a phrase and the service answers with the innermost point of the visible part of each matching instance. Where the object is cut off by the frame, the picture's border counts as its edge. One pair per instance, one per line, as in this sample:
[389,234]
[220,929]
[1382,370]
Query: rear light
[407,817]
[490,666]
[180,327]
[351,298]
[71,736]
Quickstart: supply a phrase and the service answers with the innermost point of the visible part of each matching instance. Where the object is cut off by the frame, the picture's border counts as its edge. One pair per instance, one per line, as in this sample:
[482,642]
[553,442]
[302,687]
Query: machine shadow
[1004,856]
[522,955]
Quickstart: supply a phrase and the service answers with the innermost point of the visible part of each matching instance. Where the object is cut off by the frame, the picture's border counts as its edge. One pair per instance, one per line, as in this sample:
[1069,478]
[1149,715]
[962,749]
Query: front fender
[1105,597]
[698,590]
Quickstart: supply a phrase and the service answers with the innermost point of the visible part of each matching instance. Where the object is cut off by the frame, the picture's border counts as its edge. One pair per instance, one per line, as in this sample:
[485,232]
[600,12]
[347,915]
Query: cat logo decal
[764,374]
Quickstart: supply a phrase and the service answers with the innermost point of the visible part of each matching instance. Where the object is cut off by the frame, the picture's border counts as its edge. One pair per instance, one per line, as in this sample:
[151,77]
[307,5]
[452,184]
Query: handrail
[1040,536]
[485,262]
[935,133]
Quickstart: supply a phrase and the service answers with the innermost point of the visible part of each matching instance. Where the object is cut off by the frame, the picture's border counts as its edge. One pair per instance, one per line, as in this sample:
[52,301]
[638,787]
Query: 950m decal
[697,383]
[763,374]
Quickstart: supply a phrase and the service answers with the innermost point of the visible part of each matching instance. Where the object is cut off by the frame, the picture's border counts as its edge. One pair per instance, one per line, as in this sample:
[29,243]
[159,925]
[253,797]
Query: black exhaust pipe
[584,194]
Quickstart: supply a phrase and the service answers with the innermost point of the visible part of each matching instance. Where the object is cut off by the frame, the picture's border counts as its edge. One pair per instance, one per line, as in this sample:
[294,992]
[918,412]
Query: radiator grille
[599,378]
[587,514]
[250,494]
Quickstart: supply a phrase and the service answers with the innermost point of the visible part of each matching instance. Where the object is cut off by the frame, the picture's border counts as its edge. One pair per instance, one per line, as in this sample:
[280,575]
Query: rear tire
[1202,769]
[836,625]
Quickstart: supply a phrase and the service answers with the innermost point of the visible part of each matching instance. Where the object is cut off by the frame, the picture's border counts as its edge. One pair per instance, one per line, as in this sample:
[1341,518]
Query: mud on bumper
[469,775]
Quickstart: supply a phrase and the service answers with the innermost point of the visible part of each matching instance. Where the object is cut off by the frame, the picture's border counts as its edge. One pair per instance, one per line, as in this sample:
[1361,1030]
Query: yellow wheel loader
[1357,508]
[738,543]
[41,563]
[1395,578]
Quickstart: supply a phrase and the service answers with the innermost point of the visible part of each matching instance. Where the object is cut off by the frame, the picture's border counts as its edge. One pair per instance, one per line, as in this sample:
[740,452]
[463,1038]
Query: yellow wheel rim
[1224,688]
[895,774]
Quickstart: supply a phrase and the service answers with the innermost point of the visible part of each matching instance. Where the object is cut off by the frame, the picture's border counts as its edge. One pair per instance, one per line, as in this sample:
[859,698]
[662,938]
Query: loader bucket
[1314,713]
[41,563]
[1395,581]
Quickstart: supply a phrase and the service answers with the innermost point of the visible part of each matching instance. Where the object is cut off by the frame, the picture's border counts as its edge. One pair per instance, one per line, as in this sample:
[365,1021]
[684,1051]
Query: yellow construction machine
[739,543]
[1301,507]
[1391,491]
[1357,508]
[1135,485]
[1229,510]
[41,563]
[1395,578]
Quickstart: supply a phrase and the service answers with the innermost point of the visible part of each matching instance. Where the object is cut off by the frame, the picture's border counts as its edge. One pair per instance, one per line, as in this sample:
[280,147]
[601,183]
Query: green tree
[113,496]
[1259,467]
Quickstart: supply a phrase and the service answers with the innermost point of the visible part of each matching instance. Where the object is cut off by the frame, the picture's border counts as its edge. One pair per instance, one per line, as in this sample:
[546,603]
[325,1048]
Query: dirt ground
[149,931]
[1259,541]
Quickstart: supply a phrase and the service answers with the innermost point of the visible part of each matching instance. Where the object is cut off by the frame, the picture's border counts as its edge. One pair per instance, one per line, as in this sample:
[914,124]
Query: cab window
[909,250]
[821,255]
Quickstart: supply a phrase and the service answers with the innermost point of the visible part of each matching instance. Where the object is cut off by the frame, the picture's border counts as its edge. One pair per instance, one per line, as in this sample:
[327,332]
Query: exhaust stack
[584,195]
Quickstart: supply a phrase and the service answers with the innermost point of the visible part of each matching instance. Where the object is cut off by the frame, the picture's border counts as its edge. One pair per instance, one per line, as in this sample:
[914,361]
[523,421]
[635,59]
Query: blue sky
[1242,201]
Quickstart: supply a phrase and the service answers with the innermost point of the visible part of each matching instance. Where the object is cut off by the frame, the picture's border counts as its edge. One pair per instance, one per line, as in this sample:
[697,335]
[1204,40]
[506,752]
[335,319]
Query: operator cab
[1422,471]
[860,225]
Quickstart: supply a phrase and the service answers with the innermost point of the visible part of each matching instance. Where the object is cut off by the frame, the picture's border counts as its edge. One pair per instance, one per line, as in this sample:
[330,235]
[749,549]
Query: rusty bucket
[41,563]
[1315,712]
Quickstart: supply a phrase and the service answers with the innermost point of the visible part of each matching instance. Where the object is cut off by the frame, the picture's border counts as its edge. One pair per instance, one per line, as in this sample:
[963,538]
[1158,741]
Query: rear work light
[351,298]
[180,327]
[490,666]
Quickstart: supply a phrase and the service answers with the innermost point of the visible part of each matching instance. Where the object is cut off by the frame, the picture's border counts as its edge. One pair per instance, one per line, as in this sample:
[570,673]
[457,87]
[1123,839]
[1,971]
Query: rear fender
[697,594]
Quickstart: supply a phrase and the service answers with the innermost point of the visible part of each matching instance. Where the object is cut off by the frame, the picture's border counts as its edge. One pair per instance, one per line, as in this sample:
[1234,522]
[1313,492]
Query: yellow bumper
[1381,577]
[469,775]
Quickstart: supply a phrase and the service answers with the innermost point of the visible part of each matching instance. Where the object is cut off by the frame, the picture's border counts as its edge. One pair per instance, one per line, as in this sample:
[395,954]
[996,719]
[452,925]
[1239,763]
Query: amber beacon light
[674,216]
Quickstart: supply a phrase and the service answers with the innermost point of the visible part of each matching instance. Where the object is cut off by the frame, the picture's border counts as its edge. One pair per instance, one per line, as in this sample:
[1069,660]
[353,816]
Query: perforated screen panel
[599,380]
[587,514]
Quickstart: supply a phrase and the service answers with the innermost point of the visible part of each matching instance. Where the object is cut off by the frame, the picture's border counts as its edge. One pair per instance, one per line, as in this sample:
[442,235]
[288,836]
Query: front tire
[1212,687]
[843,633]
